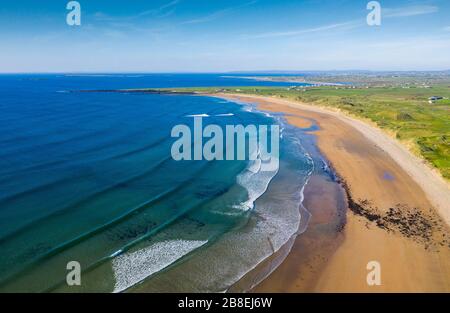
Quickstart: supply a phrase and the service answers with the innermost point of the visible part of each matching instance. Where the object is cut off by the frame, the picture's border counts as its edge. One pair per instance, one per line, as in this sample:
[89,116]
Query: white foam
[255,181]
[225,114]
[237,252]
[198,115]
[116,253]
[133,267]
[255,166]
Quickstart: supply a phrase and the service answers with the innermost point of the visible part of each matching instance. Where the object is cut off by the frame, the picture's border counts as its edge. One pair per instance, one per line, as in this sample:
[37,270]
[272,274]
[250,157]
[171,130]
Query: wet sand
[312,249]
[397,213]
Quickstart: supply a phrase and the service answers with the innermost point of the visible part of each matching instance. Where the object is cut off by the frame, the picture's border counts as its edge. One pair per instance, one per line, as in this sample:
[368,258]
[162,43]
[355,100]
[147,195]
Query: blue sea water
[88,177]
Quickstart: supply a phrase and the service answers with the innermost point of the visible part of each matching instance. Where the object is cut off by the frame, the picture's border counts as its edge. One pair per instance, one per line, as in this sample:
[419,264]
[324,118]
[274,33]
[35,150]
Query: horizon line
[226,72]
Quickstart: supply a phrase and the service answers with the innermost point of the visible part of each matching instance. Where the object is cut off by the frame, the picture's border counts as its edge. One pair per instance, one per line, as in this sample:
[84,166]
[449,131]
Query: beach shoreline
[437,189]
[393,199]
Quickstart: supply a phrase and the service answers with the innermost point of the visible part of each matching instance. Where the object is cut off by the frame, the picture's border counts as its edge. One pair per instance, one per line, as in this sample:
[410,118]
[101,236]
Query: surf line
[248,142]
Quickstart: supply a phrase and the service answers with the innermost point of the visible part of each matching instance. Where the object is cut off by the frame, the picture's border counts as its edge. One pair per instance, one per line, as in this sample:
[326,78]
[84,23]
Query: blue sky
[223,35]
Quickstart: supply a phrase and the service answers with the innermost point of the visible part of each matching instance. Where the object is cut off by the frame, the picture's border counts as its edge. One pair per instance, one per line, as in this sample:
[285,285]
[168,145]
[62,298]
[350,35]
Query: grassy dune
[404,112]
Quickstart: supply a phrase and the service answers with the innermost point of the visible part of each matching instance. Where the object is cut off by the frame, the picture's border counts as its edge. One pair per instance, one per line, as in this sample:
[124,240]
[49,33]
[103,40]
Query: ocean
[89,177]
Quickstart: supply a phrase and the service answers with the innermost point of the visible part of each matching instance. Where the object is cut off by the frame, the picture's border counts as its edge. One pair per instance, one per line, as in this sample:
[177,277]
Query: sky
[223,35]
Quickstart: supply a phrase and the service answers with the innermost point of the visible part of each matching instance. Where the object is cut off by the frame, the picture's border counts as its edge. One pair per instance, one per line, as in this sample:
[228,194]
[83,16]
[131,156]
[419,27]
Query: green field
[405,112]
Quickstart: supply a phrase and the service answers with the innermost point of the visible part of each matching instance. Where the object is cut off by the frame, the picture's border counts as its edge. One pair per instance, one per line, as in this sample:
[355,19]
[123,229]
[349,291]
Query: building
[434,99]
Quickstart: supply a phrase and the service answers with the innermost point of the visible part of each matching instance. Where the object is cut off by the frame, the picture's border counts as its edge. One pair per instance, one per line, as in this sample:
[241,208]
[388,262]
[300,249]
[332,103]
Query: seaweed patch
[422,226]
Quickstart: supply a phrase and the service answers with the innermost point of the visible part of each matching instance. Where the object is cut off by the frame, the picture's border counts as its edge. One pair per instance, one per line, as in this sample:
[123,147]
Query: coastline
[390,198]
[436,188]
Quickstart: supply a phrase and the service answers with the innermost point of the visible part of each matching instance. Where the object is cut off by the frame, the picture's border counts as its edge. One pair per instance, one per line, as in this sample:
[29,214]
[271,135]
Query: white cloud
[161,12]
[409,11]
[344,25]
[206,18]
[386,13]
[217,14]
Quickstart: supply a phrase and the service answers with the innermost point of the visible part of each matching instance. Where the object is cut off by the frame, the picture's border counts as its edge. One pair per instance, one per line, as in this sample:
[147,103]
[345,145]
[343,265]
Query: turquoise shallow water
[88,177]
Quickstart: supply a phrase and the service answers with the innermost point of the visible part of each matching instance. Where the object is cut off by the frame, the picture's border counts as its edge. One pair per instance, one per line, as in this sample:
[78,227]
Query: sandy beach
[398,212]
